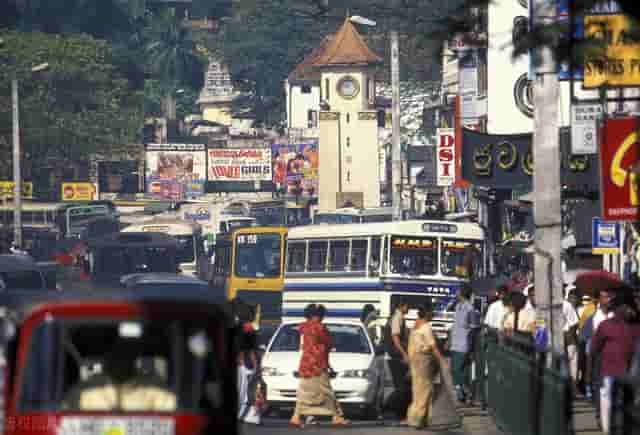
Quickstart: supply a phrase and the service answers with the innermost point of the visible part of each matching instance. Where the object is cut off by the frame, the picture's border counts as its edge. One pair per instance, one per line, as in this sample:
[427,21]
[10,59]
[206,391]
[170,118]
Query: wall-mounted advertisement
[295,168]
[175,171]
[243,164]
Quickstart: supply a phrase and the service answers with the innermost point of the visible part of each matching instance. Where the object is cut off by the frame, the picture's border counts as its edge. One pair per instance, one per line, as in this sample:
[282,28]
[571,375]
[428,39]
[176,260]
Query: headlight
[271,371]
[355,374]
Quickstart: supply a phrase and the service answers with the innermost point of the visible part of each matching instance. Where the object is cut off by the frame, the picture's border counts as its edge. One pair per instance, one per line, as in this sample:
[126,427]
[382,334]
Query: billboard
[78,191]
[242,164]
[295,168]
[175,171]
[619,163]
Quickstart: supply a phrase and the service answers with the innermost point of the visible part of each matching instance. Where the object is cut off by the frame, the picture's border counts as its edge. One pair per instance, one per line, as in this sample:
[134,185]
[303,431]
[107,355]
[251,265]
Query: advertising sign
[605,237]
[242,164]
[78,192]
[584,128]
[620,64]
[619,159]
[175,171]
[295,168]
[7,189]
[446,157]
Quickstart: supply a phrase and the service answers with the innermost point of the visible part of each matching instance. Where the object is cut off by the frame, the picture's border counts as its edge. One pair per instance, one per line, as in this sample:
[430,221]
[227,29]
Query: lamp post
[396,151]
[17,175]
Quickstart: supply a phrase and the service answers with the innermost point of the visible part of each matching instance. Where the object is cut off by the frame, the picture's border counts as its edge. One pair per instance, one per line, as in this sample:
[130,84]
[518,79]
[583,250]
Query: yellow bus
[249,265]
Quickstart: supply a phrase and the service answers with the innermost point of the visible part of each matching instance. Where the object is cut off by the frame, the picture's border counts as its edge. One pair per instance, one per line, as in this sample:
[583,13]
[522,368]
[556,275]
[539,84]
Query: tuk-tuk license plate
[116,426]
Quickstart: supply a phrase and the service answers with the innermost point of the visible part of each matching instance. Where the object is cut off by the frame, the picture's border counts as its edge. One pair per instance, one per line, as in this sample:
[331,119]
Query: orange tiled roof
[304,70]
[346,48]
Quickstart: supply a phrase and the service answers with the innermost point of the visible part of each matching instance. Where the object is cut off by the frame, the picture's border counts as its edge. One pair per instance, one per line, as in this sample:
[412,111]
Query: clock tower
[349,161]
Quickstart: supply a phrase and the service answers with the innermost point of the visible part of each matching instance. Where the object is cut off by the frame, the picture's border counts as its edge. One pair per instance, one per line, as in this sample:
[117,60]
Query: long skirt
[315,396]
[422,372]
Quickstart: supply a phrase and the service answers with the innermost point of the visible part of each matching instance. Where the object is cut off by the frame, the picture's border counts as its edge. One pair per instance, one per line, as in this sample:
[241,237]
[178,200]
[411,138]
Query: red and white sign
[243,164]
[619,153]
[446,156]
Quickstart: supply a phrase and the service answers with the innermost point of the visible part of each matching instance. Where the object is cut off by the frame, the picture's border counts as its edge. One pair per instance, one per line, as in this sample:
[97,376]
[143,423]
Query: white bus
[345,267]
[190,241]
[352,215]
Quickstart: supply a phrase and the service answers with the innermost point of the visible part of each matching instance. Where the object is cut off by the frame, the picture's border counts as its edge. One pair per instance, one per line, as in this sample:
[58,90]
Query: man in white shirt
[571,319]
[496,311]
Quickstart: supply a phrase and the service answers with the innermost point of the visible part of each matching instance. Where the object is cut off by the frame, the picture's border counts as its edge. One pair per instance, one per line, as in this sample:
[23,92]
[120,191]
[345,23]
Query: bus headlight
[362,374]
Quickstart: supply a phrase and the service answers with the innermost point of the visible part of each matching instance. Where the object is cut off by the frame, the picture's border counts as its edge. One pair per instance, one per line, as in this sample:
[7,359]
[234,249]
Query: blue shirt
[464,321]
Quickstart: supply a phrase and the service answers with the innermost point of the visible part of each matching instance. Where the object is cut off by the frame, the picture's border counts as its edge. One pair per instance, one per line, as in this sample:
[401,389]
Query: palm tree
[172,58]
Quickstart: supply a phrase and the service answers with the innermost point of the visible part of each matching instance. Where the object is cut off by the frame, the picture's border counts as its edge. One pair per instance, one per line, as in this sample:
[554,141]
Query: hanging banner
[584,128]
[78,192]
[446,157]
[244,164]
[620,63]
[619,162]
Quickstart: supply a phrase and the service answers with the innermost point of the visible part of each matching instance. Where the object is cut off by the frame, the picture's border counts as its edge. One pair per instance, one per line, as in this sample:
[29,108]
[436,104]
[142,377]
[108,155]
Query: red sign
[618,157]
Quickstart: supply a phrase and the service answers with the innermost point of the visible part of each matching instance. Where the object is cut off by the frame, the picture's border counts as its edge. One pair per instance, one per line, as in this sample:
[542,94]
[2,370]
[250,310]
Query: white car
[359,384]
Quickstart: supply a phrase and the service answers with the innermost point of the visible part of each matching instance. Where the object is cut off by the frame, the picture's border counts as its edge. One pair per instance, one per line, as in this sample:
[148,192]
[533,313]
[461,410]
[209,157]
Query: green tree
[172,58]
[83,104]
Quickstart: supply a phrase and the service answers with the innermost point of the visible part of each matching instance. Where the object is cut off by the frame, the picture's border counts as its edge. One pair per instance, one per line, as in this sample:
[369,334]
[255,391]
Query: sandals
[296,425]
[341,423]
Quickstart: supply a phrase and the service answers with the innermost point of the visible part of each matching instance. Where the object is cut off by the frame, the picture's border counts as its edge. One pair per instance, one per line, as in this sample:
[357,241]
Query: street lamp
[396,152]
[17,176]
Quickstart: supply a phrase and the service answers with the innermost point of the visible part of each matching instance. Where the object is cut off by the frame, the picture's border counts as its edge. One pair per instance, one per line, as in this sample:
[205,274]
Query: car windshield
[414,255]
[258,256]
[94,365]
[346,339]
[124,260]
[22,279]
[186,247]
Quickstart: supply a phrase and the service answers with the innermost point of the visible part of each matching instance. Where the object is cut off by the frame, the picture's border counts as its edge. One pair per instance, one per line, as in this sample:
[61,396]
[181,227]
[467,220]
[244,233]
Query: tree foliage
[81,104]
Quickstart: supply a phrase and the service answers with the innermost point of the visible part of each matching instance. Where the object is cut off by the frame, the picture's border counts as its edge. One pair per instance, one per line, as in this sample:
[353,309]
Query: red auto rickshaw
[118,363]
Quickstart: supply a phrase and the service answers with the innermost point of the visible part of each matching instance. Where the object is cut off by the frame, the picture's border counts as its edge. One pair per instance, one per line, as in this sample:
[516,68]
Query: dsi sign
[606,237]
[446,157]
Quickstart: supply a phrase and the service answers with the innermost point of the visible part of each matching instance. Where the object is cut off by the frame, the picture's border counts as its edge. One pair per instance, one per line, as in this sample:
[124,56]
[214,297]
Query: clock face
[348,87]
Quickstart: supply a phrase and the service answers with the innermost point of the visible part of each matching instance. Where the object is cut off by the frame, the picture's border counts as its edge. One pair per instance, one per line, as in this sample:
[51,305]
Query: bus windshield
[136,260]
[414,256]
[186,249]
[460,258]
[258,255]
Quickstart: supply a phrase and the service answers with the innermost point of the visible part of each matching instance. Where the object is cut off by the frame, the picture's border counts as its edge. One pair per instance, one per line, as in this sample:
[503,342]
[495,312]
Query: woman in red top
[315,395]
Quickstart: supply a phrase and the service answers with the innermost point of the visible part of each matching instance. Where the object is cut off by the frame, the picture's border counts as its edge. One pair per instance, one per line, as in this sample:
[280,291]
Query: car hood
[289,362]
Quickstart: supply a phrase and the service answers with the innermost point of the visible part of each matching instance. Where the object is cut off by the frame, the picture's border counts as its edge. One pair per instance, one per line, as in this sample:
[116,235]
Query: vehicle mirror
[130,330]
[199,345]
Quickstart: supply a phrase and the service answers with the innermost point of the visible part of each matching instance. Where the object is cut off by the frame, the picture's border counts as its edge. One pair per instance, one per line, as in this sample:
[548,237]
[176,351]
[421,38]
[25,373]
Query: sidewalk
[475,421]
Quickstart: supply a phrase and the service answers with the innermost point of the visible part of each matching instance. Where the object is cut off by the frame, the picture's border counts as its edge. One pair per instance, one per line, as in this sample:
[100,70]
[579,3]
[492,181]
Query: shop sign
[619,174]
[584,128]
[619,65]
[605,237]
[78,191]
[446,157]
[7,189]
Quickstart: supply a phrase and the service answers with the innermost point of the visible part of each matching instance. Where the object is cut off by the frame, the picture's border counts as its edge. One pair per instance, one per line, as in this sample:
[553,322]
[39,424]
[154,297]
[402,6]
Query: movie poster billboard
[243,164]
[176,171]
[295,168]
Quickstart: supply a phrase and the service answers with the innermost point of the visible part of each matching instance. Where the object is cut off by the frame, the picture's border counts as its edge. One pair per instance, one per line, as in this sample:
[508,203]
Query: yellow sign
[619,64]
[78,192]
[7,189]
[413,243]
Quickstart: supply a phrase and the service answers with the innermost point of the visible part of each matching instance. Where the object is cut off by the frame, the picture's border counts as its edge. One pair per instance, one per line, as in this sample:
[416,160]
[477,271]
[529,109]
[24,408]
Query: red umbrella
[594,281]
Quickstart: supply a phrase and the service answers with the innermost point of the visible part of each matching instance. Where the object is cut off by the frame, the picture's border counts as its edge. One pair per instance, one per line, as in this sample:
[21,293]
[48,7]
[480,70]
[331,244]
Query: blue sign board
[605,237]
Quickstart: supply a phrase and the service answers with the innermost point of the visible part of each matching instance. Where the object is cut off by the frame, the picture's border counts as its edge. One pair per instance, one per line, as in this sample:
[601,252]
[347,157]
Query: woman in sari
[423,353]
[315,395]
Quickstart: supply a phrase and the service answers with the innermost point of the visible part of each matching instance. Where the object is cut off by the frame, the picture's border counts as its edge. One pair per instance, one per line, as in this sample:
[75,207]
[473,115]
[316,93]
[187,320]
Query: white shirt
[570,315]
[598,317]
[495,314]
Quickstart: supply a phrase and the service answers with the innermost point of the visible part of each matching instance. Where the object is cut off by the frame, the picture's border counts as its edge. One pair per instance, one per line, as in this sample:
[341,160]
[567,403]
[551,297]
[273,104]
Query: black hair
[400,302]
[466,291]
[309,311]
[502,289]
[366,310]
[320,311]
[425,310]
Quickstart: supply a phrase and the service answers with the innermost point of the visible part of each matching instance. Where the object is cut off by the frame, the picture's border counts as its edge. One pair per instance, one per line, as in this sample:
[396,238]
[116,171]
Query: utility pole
[396,155]
[547,187]
[17,176]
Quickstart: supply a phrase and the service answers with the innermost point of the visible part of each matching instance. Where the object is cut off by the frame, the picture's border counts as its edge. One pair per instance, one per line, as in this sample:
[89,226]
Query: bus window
[258,255]
[338,255]
[460,258]
[358,255]
[374,260]
[414,256]
[317,256]
[297,254]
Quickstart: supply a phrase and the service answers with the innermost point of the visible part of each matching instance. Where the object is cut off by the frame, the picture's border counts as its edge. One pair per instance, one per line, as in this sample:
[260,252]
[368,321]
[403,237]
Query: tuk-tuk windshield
[121,366]
[135,260]
[21,279]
